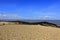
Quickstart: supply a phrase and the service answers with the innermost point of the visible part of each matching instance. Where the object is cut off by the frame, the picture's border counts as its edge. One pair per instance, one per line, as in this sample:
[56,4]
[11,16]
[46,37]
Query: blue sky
[30,9]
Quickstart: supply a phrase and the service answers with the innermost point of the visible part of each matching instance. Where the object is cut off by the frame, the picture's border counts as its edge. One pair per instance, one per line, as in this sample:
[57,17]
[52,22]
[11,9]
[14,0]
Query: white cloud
[49,17]
[10,16]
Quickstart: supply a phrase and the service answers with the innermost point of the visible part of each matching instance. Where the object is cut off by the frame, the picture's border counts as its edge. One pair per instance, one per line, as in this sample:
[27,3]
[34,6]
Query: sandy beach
[29,32]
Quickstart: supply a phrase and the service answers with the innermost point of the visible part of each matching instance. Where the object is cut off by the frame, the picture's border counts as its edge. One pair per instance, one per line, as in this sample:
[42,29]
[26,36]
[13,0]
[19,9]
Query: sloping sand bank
[29,32]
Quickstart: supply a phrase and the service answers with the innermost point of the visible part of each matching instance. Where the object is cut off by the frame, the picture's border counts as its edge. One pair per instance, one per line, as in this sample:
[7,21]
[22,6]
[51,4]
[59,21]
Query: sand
[29,32]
